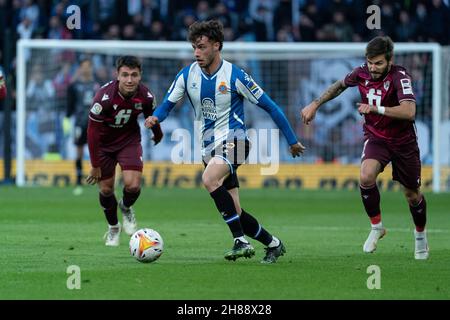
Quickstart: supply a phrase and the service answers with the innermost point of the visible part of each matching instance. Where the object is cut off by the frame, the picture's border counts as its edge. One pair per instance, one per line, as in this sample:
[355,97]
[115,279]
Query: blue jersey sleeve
[266,103]
[250,90]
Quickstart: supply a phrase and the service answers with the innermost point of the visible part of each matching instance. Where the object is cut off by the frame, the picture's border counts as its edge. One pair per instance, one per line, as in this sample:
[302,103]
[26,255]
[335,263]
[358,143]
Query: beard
[380,75]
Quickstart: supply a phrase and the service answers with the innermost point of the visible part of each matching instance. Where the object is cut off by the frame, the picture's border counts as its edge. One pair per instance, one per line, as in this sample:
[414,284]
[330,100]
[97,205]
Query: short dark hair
[380,45]
[129,61]
[213,29]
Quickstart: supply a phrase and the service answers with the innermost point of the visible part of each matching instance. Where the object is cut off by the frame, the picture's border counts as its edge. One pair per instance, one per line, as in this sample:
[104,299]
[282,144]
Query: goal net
[292,74]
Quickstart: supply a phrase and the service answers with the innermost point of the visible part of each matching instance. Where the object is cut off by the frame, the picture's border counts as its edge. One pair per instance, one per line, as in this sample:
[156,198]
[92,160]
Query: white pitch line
[326,228]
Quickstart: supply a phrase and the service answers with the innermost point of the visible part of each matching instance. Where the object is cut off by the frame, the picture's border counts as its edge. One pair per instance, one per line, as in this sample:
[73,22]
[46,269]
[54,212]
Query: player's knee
[367,179]
[107,191]
[209,182]
[412,196]
[133,188]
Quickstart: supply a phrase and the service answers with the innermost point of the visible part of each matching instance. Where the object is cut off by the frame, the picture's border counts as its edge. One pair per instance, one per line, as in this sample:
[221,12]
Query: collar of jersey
[214,74]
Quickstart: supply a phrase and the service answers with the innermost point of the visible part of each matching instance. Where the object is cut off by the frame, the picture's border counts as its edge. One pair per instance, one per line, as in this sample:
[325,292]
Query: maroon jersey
[394,88]
[113,119]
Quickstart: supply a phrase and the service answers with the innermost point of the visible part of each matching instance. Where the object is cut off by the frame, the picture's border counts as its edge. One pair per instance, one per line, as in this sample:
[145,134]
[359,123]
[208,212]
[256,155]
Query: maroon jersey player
[114,138]
[389,108]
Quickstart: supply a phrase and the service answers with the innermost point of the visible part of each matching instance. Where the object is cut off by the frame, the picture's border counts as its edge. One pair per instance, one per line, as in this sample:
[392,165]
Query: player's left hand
[297,149]
[364,108]
[94,176]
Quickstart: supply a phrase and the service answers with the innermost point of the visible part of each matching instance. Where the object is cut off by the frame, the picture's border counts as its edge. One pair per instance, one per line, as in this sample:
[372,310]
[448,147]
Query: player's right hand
[94,176]
[151,121]
[309,112]
[297,149]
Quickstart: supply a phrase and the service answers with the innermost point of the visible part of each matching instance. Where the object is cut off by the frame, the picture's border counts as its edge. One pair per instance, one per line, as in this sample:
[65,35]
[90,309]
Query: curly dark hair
[380,45]
[213,29]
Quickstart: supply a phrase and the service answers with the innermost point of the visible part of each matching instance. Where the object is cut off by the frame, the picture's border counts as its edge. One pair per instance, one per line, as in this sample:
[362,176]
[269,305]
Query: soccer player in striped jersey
[217,89]
[389,108]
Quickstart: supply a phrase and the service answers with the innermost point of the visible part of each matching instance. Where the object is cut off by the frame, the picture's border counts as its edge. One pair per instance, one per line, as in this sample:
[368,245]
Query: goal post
[291,73]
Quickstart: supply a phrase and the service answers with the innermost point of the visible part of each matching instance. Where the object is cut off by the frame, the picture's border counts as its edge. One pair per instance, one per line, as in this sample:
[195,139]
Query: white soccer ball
[146,245]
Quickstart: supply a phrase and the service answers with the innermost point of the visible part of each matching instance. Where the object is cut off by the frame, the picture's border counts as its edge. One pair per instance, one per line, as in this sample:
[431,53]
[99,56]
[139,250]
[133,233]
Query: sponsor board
[293,176]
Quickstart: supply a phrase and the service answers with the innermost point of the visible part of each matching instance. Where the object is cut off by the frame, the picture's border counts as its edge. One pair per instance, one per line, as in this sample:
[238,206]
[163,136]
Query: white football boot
[371,243]
[421,251]
[112,236]
[129,219]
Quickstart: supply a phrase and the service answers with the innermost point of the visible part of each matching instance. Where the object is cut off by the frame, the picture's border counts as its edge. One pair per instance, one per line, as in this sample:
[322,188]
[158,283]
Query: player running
[389,108]
[217,89]
[114,137]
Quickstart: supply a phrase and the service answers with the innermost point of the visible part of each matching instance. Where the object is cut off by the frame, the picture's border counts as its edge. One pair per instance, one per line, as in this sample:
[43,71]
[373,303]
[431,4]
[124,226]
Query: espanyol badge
[223,87]
[386,85]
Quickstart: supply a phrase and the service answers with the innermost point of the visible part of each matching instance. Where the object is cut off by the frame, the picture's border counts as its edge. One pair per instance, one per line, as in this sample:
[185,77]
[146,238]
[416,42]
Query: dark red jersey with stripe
[113,119]
[388,92]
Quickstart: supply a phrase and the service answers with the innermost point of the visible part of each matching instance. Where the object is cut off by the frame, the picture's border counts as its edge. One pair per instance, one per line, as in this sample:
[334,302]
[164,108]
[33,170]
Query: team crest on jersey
[96,108]
[367,81]
[386,85]
[138,106]
[223,87]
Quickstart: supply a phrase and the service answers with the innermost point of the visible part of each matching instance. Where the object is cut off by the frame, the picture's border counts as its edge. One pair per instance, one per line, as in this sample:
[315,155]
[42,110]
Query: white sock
[113,227]
[275,242]
[242,239]
[420,234]
[379,225]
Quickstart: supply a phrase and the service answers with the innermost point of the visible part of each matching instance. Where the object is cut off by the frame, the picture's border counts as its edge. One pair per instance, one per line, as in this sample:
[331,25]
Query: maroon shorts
[129,158]
[406,165]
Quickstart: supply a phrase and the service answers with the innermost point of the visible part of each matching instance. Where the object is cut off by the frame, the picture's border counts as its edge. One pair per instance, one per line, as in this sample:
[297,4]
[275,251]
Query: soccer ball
[146,245]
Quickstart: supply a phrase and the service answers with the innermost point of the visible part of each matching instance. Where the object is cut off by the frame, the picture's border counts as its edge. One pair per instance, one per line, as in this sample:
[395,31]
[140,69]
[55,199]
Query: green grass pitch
[43,231]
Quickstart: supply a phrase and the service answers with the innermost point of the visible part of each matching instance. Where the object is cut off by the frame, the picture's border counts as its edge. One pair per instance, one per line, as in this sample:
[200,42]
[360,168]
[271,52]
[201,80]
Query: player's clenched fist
[309,112]
[151,121]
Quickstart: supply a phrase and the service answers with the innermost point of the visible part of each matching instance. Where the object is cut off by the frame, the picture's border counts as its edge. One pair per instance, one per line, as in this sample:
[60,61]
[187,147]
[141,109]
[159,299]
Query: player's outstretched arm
[309,112]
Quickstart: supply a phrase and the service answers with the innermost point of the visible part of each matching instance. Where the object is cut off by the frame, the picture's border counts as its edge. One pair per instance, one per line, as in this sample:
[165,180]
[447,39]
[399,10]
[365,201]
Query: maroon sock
[129,198]
[371,199]
[109,205]
[419,214]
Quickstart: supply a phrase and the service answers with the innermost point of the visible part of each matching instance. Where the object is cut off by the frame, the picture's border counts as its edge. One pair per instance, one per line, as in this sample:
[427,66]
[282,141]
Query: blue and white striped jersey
[218,102]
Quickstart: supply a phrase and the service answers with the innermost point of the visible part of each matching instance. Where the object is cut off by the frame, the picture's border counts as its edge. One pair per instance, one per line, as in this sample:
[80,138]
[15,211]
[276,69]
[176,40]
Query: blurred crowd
[243,20]
[246,20]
